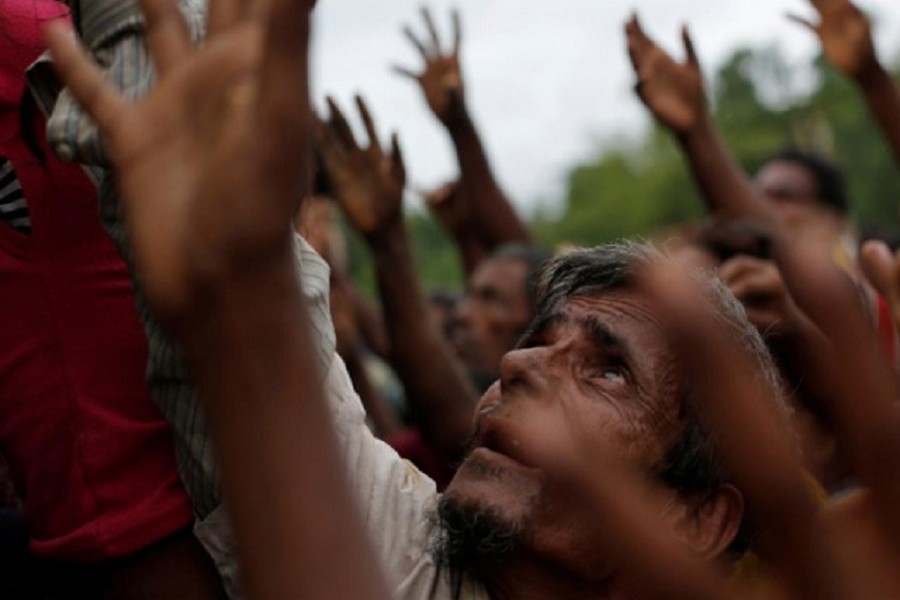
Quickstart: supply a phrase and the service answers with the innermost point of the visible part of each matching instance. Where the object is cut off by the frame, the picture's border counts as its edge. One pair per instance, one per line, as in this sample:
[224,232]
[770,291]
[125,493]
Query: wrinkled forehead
[625,320]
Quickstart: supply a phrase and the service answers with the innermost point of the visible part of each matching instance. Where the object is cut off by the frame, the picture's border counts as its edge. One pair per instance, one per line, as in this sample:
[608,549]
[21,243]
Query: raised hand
[367,182]
[761,289]
[441,78]
[211,167]
[186,155]
[845,35]
[672,91]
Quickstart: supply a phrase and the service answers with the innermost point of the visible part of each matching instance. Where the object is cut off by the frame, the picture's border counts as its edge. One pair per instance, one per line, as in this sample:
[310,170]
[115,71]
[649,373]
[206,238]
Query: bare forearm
[725,187]
[493,215]
[251,357]
[883,99]
[444,398]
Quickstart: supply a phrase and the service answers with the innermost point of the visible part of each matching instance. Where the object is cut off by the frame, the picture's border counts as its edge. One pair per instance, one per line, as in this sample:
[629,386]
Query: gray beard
[471,540]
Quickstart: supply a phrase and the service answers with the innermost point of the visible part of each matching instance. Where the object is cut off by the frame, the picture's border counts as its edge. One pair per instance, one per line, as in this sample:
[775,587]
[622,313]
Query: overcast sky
[546,80]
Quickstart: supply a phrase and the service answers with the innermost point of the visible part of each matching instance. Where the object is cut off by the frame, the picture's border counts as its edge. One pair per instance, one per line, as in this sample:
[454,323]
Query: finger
[368,122]
[330,149]
[168,36]
[738,266]
[638,42]
[633,42]
[881,268]
[85,81]
[633,24]
[284,112]
[405,72]
[639,33]
[432,32]
[457,31]
[802,22]
[338,124]
[398,169]
[754,287]
[408,32]
[689,46]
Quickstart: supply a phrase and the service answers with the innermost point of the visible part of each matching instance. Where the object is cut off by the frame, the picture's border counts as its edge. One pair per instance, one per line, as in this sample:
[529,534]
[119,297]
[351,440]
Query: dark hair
[692,464]
[534,259]
[830,181]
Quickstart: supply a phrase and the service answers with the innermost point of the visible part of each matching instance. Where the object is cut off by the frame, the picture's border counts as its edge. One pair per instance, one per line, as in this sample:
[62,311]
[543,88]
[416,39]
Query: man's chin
[486,474]
[471,535]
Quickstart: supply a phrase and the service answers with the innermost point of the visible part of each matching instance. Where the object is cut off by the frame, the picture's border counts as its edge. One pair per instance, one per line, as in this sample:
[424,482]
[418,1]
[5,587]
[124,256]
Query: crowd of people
[196,401]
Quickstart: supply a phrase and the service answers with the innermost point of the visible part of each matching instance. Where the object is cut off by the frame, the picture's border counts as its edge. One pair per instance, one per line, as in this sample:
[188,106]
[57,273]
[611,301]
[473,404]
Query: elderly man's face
[601,369]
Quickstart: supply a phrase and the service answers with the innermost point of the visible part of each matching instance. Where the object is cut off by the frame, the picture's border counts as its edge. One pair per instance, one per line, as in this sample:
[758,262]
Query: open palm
[672,91]
[203,133]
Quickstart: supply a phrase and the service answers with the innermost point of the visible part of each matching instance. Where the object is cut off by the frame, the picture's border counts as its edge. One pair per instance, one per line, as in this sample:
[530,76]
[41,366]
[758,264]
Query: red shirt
[88,451]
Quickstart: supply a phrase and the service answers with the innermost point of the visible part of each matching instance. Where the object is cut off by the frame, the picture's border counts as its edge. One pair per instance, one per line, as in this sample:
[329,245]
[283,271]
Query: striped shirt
[113,31]
[13,208]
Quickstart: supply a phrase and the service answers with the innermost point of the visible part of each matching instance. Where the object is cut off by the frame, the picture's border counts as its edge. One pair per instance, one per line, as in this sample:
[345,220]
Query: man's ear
[708,523]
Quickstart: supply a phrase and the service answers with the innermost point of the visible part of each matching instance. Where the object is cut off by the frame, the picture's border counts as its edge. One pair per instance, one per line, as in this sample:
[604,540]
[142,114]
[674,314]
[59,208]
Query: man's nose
[523,368]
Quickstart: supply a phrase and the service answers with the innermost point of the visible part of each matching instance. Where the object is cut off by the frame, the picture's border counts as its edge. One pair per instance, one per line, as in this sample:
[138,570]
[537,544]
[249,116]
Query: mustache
[472,441]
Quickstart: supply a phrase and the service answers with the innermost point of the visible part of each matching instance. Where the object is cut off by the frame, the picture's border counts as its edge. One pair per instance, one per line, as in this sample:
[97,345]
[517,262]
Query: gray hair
[693,463]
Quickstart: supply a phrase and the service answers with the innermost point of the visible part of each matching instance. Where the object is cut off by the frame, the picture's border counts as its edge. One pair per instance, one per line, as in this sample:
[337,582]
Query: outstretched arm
[208,199]
[489,210]
[846,39]
[673,92]
[368,184]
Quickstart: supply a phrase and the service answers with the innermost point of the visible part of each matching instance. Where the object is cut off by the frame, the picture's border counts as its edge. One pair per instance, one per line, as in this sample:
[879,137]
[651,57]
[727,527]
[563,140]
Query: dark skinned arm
[846,38]
[214,248]
[488,211]
[673,92]
[368,184]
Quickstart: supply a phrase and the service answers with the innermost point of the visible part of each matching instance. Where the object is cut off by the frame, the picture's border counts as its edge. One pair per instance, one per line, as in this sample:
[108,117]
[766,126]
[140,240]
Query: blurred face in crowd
[793,191]
[493,314]
[599,369]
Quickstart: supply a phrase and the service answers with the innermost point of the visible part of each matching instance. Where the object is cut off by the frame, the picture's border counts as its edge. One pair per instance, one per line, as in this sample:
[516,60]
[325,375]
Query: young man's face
[601,370]
[793,191]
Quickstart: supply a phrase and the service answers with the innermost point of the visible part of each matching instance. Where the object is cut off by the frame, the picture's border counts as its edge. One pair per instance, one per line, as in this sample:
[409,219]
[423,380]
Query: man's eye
[613,374]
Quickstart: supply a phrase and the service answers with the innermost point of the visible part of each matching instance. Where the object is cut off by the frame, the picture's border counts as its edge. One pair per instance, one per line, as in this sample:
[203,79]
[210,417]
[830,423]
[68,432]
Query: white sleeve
[394,497]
